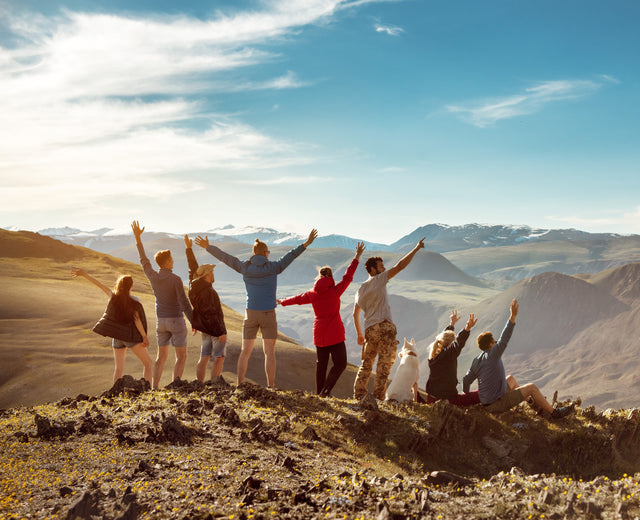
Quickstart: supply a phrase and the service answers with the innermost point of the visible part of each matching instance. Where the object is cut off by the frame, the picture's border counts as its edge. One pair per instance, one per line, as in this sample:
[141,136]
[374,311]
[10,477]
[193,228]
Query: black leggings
[338,354]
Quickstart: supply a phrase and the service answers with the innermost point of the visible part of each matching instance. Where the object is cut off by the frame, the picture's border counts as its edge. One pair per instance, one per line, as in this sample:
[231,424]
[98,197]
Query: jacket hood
[323,284]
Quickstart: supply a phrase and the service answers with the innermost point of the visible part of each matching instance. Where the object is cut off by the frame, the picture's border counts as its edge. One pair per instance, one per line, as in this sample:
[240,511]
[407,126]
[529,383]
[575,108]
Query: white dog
[404,386]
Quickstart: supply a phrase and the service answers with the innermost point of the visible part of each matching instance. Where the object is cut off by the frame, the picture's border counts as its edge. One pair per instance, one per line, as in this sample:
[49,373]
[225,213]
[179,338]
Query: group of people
[124,321]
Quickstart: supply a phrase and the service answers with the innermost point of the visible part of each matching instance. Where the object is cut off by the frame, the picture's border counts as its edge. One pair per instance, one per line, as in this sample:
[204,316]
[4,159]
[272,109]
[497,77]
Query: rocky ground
[216,451]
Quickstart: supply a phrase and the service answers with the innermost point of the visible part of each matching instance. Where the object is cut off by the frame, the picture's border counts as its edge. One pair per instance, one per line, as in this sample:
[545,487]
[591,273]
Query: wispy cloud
[91,101]
[391,30]
[625,221]
[533,99]
[309,179]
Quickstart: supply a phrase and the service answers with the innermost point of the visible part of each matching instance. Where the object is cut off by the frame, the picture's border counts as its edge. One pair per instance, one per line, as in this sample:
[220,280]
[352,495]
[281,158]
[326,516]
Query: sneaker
[561,411]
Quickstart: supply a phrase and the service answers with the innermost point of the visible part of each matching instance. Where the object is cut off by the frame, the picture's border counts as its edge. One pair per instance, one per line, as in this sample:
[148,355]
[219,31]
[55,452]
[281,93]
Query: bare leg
[538,399]
[216,367]
[142,354]
[243,358]
[118,356]
[511,382]
[269,348]
[159,364]
[181,359]
[201,367]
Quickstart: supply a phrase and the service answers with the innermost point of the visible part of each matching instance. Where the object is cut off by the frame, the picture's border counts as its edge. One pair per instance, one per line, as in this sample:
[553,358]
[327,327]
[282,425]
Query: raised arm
[454,318]
[218,253]
[312,236]
[406,259]
[356,321]
[191,258]
[499,348]
[77,272]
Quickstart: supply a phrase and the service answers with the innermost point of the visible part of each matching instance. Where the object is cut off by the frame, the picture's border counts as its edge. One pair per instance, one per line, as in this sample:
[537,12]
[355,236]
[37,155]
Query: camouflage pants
[379,340]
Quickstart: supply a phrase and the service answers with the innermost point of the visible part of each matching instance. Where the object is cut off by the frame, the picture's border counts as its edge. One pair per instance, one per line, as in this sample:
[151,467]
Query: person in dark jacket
[208,317]
[124,322]
[328,329]
[443,364]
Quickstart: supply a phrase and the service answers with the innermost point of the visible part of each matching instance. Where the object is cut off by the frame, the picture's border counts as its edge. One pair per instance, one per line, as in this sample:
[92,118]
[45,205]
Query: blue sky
[358,117]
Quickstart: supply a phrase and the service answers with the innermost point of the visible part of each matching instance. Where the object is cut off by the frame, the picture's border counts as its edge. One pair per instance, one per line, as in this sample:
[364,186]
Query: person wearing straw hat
[208,317]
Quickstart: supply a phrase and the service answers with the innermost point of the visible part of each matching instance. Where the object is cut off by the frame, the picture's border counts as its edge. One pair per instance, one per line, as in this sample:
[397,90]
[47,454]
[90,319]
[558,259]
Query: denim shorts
[212,344]
[172,330]
[118,343]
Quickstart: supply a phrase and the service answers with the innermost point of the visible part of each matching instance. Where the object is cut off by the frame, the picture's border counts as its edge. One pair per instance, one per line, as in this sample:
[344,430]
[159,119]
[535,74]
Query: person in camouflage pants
[379,338]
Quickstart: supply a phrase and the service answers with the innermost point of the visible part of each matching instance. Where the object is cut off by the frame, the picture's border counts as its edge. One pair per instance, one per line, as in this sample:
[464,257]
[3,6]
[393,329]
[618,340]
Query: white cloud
[99,105]
[309,179]
[622,221]
[533,99]
[391,30]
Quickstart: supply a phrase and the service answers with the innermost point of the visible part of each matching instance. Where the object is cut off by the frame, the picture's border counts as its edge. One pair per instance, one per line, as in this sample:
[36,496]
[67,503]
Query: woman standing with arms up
[328,329]
[124,322]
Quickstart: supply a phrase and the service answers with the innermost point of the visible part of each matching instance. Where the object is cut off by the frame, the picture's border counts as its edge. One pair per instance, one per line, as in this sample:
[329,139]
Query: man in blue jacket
[260,280]
[497,392]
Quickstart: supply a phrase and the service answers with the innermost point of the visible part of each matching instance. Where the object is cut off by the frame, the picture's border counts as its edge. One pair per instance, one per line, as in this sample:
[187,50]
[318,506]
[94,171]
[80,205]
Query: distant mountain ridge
[440,238]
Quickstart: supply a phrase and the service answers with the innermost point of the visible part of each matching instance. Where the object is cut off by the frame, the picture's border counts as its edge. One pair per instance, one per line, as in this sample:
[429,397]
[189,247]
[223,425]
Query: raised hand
[471,322]
[312,236]
[137,230]
[202,242]
[420,244]
[454,318]
[513,308]
[188,242]
[76,271]
[360,249]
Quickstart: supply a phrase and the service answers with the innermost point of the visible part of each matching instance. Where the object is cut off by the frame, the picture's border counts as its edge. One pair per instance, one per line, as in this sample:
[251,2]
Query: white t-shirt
[373,300]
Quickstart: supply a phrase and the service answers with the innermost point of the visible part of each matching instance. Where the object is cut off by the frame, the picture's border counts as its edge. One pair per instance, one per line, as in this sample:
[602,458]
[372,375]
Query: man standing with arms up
[260,281]
[379,338]
[171,302]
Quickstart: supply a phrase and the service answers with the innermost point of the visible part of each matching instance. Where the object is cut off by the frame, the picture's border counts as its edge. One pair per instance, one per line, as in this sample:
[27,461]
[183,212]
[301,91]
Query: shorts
[118,343]
[212,344]
[172,330]
[263,320]
[510,399]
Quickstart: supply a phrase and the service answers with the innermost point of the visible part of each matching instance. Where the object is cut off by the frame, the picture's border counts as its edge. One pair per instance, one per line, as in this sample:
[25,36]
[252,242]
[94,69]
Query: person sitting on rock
[443,364]
[208,317]
[496,393]
[124,321]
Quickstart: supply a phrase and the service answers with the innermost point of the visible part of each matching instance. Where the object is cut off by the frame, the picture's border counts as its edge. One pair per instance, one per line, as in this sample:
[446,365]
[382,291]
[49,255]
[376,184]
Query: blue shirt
[259,274]
[488,369]
[171,300]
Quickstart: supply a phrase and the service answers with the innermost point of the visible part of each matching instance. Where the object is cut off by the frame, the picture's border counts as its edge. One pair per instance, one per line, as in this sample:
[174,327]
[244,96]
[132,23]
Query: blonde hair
[325,271]
[444,339]
[259,247]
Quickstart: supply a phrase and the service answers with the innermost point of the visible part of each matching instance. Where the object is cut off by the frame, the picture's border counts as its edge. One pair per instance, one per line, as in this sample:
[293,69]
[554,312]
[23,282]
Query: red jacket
[328,328]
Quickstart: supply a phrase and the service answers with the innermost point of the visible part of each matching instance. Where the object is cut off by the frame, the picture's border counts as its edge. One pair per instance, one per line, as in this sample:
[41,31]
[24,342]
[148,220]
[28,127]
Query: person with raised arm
[328,329]
[171,303]
[379,338]
[208,317]
[498,393]
[124,321]
[260,280]
[443,364]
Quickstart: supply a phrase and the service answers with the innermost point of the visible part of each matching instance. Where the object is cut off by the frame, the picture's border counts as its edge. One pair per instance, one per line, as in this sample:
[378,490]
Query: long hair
[444,339]
[124,308]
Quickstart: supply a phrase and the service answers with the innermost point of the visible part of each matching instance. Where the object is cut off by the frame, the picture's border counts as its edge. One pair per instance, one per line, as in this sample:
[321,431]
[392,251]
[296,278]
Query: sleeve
[146,263]
[300,299]
[183,301]
[342,285]
[193,263]
[460,341]
[500,347]
[280,265]
[226,258]
[470,376]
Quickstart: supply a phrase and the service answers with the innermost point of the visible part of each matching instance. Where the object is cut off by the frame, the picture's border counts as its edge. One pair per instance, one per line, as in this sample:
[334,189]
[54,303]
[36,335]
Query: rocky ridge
[204,451]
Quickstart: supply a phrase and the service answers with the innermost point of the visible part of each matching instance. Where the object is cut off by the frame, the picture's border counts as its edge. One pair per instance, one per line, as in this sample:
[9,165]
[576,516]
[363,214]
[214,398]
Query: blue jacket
[488,369]
[259,275]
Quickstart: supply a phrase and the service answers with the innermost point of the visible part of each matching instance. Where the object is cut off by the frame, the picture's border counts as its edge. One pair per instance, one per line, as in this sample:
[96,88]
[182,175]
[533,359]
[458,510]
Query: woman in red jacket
[328,329]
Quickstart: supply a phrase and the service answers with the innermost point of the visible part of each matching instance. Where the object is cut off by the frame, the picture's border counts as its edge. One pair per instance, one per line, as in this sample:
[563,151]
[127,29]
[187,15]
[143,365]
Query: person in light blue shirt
[498,392]
[260,277]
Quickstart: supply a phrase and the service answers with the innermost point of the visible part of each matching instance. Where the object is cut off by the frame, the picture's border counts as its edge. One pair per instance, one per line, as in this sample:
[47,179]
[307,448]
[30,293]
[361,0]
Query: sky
[367,118]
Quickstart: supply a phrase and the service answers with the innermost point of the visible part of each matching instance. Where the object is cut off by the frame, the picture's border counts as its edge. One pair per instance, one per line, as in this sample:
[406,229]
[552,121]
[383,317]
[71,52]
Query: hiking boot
[561,411]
